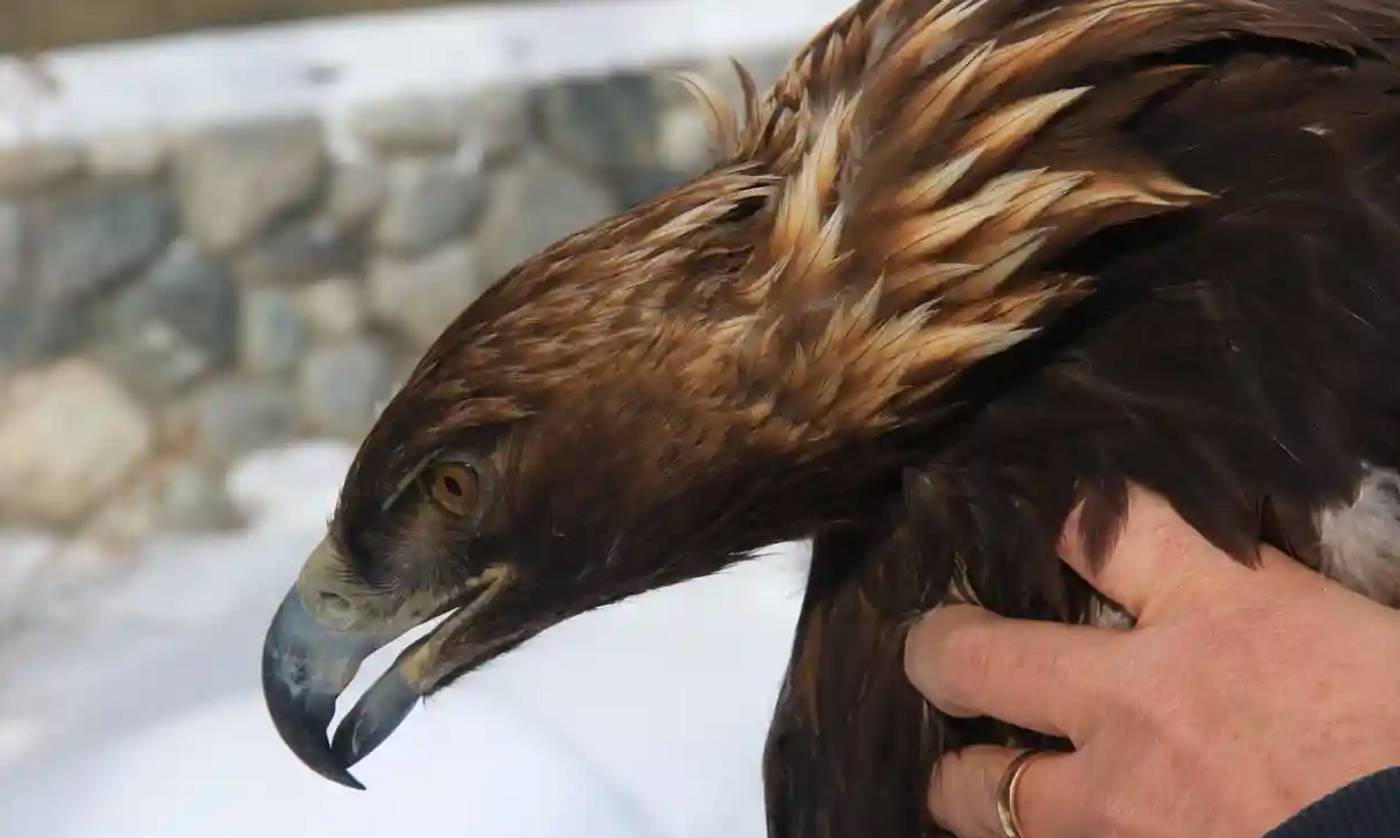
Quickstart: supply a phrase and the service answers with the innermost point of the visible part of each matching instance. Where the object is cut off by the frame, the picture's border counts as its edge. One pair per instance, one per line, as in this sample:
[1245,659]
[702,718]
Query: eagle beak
[315,646]
[305,667]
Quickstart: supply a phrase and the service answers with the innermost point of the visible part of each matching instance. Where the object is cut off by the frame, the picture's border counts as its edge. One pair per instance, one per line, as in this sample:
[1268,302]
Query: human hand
[1241,696]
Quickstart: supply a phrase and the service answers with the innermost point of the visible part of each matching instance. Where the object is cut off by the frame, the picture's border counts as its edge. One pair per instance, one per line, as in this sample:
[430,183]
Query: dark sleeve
[1367,808]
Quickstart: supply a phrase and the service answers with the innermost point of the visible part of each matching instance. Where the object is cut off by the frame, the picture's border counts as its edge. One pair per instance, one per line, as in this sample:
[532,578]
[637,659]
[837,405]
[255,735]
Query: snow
[327,65]
[135,710]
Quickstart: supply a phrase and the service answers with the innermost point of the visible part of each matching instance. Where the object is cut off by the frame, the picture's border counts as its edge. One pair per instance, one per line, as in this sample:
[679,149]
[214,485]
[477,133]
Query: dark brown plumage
[967,263]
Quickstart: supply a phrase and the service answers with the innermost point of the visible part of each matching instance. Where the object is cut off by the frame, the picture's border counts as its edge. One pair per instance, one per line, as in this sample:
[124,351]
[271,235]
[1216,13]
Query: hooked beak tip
[300,690]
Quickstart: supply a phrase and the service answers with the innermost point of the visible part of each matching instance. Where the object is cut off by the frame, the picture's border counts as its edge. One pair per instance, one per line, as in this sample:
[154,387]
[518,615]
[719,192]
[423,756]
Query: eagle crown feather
[879,222]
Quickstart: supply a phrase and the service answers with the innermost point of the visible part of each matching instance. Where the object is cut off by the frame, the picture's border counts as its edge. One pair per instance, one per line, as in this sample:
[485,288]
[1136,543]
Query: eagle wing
[1237,357]
[851,746]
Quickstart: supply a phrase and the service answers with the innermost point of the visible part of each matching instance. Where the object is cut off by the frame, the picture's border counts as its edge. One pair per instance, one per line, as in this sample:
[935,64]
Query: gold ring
[1006,793]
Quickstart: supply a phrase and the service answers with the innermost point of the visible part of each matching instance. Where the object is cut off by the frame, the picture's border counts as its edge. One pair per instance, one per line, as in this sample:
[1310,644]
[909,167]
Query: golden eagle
[967,264]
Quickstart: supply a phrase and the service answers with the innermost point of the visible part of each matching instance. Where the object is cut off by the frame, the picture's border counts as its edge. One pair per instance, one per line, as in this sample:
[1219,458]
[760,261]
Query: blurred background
[228,228]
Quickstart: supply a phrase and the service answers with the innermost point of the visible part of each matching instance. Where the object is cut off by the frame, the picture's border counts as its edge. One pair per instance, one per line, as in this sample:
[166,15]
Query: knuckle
[961,793]
[950,650]
[1158,539]
[916,641]
[938,792]
[947,789]
[969,656]
[1154,529]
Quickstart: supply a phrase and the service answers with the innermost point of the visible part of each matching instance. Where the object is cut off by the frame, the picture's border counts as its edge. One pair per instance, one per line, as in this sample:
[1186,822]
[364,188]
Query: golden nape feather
[902,189]
[924,179]
[965,265]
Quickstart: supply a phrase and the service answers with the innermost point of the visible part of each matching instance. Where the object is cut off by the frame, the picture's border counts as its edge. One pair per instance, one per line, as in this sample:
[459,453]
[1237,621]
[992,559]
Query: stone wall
[172,301]
[36,25]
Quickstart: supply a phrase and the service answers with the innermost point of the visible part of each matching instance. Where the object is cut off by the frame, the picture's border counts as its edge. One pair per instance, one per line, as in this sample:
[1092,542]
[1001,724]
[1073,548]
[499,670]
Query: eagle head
[598,424]
[734,363]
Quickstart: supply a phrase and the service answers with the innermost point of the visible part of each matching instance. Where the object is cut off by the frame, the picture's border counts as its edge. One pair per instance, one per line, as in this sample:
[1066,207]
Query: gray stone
[684,144]
[127,155]
[69,436]
[534,204]
[672,92]
[299,253]
[237,416]
[31,331]
[641,184]
[27,167]
[606,124]
[334,308]
[272,333]
[491,122]
[498,122]
[411,124]
[177,322]
[11,250]
[766,68]
[193,499]
[357,192]
[342,385]
[167,495]
[235,181]
[91,238]
[31,328]
[429,202]
[421,297]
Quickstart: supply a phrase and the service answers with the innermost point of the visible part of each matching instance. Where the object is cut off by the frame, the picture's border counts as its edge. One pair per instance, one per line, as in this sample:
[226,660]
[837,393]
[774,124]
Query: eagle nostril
[332,604]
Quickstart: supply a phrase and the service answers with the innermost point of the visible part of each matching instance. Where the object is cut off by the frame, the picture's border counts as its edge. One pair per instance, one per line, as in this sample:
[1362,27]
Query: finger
[1156,560]
[1042,676]
[962,796]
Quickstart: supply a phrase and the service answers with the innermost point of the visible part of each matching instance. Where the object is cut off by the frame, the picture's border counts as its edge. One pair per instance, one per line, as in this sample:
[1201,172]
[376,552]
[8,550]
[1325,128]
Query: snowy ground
[327,65]
[137,712]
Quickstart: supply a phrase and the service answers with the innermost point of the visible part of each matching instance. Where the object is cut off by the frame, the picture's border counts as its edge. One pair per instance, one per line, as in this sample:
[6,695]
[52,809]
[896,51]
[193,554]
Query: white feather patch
[1360,541]
[1105,614]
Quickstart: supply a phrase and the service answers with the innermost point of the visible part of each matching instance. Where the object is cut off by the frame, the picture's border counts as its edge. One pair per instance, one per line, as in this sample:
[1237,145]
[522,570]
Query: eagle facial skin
[967,264]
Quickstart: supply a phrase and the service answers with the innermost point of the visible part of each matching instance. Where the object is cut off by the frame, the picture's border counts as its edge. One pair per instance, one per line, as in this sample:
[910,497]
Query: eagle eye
[456,488]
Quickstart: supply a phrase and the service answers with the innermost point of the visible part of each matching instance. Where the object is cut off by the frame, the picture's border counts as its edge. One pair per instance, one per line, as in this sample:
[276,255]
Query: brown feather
[966,262]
